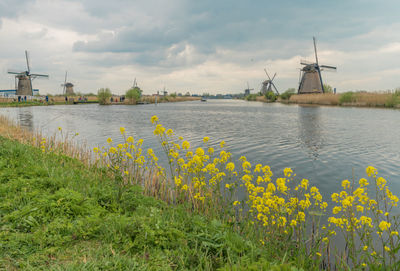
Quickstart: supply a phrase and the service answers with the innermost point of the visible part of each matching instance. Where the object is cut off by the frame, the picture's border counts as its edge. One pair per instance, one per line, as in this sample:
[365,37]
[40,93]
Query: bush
[328,88]
[251,97]
[270,96]
[347,97]
[393,100]
[173,95]
[104,94]
[288,93]
[133,94]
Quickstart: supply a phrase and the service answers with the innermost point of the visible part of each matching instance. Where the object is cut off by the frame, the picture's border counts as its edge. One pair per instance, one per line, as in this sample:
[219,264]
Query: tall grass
[349,99]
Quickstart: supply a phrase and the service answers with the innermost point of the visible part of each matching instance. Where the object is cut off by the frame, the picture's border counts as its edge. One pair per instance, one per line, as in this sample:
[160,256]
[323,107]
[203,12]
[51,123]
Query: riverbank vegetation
[362,99]
[132,199]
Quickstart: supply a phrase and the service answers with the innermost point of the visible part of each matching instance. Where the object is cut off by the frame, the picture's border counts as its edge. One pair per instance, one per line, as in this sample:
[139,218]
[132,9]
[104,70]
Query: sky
[199,46]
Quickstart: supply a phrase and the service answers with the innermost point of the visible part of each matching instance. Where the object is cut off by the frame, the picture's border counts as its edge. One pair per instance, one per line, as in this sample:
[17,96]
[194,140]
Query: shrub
[104,94]
[133,94]
[347,97]
[328,88]
[270,96]
[288,93]
[251,97]
[394,99]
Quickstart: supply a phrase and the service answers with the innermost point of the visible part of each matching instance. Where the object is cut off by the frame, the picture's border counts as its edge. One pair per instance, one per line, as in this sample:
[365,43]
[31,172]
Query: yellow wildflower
[236,203]
[384,226]
[185,145]
[109,140]
[230,166]
[154,119]
[222,144]
[345,184]
[122,130]
[206,139]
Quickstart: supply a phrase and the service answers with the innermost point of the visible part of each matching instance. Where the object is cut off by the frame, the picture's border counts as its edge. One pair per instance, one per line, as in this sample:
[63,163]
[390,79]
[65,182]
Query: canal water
[323,144]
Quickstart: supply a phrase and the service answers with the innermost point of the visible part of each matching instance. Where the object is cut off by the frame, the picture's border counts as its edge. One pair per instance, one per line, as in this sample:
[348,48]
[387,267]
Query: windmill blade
[27,61]
[15,72]
[248,85]
[65,81]
[40,75]
[315,50]
[273,77]
[276,90]
[267,74]
[328,67]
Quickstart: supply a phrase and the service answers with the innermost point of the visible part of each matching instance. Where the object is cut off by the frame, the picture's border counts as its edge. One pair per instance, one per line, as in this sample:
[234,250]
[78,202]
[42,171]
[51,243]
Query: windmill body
[25,78]
[24,85]
[69,89]
[310,74]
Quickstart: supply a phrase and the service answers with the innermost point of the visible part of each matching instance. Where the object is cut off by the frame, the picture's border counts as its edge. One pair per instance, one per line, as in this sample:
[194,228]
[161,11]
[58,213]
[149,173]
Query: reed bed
[321,99]
[361,99]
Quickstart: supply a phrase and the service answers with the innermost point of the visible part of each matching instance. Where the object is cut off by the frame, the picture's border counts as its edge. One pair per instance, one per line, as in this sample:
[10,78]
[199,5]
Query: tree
[133,94]
[328,88]
[104,94]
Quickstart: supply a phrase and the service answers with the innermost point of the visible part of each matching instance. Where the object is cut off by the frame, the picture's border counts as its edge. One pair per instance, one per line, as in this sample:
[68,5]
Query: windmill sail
[24,78]
[310,74]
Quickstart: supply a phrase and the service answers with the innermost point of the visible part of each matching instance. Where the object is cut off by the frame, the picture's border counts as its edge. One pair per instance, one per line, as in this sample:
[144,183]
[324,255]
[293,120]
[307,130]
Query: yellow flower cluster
[282,207]
[127,159]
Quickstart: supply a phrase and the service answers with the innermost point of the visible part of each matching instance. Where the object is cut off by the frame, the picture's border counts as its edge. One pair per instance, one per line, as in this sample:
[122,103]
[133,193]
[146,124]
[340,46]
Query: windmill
[310,74]
[23,80]
[68,88]
[247,90]
[268,85]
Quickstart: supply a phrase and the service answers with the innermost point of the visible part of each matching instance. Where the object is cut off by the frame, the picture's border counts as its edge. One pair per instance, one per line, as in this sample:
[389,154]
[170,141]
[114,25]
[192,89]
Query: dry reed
[322,99]
[63,144]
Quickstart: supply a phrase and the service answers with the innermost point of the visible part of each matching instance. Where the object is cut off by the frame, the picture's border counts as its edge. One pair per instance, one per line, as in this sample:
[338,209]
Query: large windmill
[247,90]
[268,85]
[68,88]
[25,78]
[310,74]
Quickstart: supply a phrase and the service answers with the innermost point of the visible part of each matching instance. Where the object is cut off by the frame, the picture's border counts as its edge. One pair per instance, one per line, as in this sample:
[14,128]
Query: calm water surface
[323,144]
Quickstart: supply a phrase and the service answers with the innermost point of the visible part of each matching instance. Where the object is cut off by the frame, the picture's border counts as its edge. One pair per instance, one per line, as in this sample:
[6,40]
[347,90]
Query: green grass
[55,214]
[22,104]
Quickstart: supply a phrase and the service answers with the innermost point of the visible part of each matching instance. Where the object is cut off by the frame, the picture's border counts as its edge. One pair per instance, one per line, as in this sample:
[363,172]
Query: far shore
[60,100]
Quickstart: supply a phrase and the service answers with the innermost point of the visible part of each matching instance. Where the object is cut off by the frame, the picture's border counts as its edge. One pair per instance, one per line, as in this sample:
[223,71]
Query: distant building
[8,92]
[247,92]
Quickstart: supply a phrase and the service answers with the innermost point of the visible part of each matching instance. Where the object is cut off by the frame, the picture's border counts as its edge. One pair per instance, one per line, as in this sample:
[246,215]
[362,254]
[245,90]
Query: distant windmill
[25,78]
[68,88]
[134,83]
[310,74]
[268,85]
[247,90]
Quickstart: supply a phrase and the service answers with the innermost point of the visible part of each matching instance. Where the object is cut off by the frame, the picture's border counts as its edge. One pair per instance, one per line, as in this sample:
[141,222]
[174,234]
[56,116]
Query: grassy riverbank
[56,213]
[122,210]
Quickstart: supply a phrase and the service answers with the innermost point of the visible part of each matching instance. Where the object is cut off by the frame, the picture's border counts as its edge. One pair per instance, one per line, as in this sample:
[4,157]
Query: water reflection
[25,117]
[310,132]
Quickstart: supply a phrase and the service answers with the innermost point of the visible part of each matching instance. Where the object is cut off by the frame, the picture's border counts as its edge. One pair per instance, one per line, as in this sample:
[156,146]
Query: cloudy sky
[199,46]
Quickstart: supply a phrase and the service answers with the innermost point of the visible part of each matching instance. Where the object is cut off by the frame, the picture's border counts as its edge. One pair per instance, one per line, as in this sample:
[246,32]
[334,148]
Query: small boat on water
[203,99]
